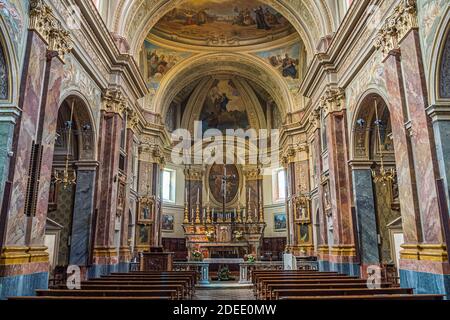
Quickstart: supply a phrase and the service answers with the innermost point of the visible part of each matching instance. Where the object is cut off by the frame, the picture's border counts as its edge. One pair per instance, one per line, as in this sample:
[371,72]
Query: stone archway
[71,205]
[376,202]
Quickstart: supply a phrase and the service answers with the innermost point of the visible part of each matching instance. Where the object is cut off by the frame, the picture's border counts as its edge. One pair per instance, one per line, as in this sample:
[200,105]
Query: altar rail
[246,268]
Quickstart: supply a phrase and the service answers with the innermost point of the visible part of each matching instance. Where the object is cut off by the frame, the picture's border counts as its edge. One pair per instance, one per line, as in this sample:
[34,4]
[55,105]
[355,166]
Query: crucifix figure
[226,180]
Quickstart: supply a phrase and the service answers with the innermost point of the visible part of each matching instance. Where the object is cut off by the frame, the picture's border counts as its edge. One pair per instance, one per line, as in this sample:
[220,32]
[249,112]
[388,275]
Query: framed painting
[280,222]
[302,209]
[305,231]
[168,223]
[146,210]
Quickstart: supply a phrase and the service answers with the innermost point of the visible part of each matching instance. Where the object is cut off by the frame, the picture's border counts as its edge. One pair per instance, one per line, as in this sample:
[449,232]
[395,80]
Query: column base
[22,285]
[348,268]
[426,283]
[98,270]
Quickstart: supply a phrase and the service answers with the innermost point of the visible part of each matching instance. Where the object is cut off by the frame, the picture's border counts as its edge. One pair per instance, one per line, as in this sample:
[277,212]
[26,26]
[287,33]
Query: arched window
[4,76]
[444,75]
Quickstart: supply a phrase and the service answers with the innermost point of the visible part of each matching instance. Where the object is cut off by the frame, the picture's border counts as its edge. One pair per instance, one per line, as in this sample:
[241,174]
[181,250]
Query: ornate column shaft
[424,258]
[105,255]
[343,253]
[25,201]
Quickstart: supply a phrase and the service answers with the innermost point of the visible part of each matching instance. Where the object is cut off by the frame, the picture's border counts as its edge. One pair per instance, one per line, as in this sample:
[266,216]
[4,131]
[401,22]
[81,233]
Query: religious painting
[223,178]
[146,210]
[224,108]
[143,234]
[286,60]
[223,23]
[159,61]
[305,233]
[167,223]
[326,196]
[280,222]
[12,12]
[302,210]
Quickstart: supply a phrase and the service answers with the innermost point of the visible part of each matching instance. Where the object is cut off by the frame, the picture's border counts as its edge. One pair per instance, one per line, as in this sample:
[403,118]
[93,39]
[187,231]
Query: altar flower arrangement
[197,255]
[249,258]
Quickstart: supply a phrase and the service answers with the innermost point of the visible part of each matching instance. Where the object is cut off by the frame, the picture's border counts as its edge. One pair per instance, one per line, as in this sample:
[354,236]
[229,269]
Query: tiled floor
[224,294]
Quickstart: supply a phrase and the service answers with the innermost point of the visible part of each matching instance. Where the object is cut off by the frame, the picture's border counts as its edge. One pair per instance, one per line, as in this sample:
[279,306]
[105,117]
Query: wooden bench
[369,297]
[171,294]
[75,298]
[281,293]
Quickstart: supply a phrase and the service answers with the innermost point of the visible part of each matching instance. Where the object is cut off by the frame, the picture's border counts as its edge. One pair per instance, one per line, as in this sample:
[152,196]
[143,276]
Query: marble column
[422,137]
[105,256]
[429,271]
[343,252]
[82,214]
[363,193]
[23,257]
[403,155]
[124,251]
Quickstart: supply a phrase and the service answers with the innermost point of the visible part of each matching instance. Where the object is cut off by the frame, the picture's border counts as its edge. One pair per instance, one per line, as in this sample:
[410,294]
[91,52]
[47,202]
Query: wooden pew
[182,291]
[73,298]
[281,293]
[369,297]
[171,294]
[274,286]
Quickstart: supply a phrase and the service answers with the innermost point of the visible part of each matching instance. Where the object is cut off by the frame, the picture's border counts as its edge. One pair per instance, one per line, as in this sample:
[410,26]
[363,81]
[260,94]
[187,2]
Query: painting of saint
[304,233]
[143,235]
[217,183]
[201,21]
[159,61]
[280,223]
[224,108]
[286,60]
[167,223]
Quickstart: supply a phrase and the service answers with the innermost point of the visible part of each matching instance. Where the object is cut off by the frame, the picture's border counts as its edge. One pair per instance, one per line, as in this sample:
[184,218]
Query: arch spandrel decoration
[4,75]
[444,71]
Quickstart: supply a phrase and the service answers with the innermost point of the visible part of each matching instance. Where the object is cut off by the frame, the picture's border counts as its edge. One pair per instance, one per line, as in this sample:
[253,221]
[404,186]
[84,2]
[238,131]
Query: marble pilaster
[403,154]
[105,255]
[366,215]
[422,137]
[82,215]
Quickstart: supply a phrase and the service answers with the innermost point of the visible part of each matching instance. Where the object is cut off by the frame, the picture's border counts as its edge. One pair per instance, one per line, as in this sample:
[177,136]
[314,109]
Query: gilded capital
[332,100]
[114,101]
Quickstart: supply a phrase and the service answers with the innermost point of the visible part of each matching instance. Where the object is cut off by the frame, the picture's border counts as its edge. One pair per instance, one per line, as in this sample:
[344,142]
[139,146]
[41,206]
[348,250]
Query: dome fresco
[223,23]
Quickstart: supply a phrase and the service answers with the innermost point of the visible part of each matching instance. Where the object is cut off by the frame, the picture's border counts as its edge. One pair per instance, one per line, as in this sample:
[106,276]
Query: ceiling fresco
[223,23]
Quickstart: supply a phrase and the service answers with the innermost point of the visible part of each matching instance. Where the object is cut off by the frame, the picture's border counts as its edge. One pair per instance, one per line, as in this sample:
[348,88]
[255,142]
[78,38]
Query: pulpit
[157,261]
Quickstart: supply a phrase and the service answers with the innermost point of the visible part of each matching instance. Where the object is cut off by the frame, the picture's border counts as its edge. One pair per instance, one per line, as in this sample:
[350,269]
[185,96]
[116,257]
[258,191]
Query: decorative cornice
[397,26]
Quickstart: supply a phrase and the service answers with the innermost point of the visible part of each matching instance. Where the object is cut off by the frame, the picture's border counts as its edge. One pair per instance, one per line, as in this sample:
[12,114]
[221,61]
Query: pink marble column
[125,253]
[318,162]
[107,188]
[403,154]
[25,136]
[422,137]
[46,137]
[156,192]
[340,183]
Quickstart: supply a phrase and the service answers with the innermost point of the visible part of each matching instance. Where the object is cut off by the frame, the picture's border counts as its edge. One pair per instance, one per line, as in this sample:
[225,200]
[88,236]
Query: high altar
[228,223]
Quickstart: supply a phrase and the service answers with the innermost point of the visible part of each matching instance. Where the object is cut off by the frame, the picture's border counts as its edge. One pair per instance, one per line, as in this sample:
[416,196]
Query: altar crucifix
[227,179]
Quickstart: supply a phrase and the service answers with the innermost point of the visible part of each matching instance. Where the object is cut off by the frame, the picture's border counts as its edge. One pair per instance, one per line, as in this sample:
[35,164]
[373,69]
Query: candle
[186,195]
[198,196]
[207,199]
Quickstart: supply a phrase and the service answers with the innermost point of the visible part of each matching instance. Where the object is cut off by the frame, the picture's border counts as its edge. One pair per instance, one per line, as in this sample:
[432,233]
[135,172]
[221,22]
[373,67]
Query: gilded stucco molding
[397,26]
[44,22]
[333,100]
[114,102]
